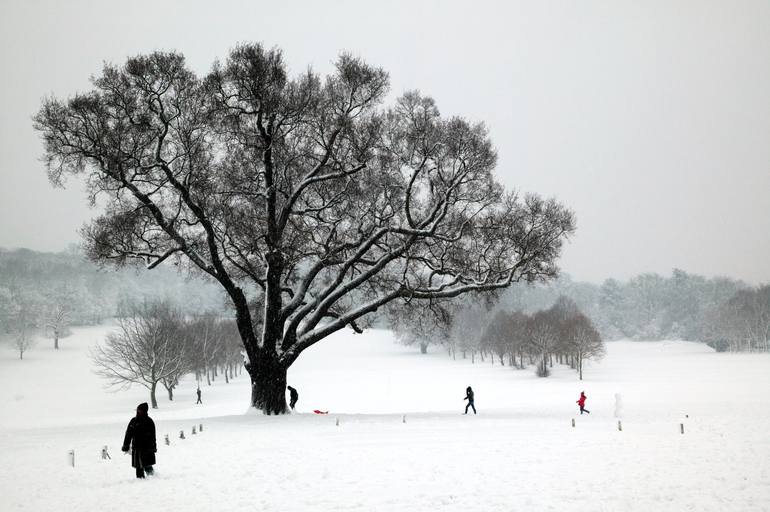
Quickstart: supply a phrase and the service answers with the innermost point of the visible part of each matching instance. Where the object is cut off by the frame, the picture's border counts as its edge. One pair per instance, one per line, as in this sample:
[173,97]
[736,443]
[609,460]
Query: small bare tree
[58,312]
[23,340]
[517,336]
[145,350]
[230,341]
[23,320]
[180,345]
[543,338]
[468,327]
[204,334]
[583,339]
[420,323]
[497,336]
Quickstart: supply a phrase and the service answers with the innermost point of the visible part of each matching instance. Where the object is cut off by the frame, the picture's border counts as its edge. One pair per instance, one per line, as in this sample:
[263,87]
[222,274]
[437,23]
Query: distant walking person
[582,403]
[199,396]
[140,435]
[469,397]
[293,397]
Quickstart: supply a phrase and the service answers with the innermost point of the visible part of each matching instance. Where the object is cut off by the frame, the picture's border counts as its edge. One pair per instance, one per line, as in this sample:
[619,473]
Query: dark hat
[142,407]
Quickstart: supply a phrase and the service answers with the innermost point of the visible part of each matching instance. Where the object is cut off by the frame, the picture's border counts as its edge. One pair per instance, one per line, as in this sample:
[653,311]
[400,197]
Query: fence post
[200,427]
[167,440]
[72,458]
[403,419]
[681,428]
[573,422]
[620,427]
[338,422]
[181,434]
[193,430]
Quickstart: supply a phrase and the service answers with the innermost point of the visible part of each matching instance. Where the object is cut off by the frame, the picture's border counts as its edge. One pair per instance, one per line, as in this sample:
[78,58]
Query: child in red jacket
[582,403]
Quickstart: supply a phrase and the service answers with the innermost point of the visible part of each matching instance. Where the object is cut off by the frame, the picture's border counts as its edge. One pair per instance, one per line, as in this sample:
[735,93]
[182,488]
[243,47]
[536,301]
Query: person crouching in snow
[469,397]
[582,403]
[140,435]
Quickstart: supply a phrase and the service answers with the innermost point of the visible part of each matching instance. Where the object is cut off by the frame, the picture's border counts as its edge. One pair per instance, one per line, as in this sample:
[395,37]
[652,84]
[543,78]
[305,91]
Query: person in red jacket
[582,403]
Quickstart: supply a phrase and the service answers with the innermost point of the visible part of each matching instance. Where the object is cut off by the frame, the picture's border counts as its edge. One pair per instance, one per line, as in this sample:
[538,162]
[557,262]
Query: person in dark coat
[140,435]
[199,396]
[582,403]
[469,397]
[293,397]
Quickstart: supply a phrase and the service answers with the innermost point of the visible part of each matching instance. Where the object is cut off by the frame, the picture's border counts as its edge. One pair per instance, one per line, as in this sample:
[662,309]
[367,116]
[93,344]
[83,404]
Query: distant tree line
[560,333]
[47,293]
[740,324]
[156,344]
[725,313]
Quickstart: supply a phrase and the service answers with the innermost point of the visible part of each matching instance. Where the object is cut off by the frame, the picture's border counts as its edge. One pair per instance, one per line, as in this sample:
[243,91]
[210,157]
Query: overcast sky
[651,120]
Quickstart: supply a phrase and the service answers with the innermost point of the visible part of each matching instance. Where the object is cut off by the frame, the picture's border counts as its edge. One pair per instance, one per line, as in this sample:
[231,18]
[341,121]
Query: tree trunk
[208,377]
[473,357]
[227,377]
[543,365]
[580,366]
[56,339]
[423,348]
[268,387]
[268,376]
[153,400]
[169,389]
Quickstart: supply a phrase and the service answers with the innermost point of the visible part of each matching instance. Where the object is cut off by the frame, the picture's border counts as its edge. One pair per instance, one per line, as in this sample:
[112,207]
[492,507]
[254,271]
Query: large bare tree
[301,195]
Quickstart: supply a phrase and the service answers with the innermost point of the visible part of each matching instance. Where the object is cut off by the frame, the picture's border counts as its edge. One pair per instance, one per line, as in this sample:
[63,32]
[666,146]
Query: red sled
[320,412]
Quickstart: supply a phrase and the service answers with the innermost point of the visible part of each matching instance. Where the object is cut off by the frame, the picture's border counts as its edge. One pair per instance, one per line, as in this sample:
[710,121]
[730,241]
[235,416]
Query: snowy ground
[519,453]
